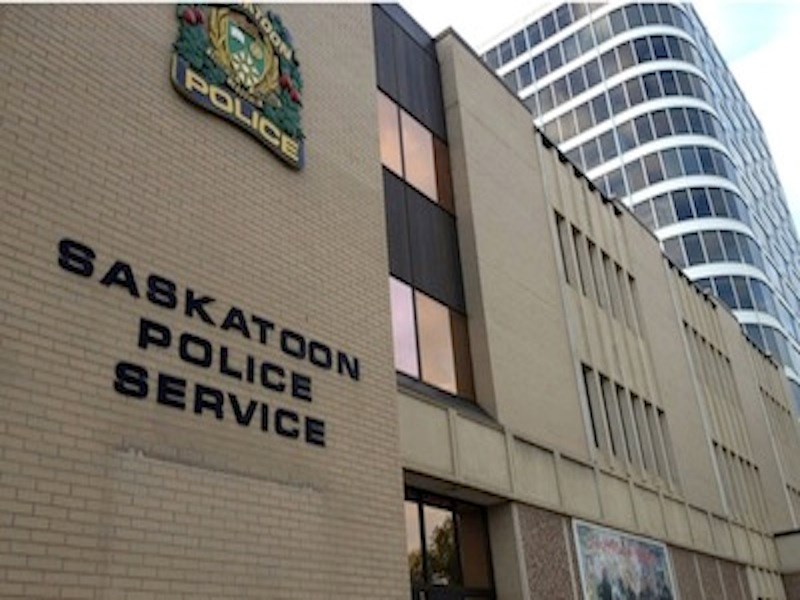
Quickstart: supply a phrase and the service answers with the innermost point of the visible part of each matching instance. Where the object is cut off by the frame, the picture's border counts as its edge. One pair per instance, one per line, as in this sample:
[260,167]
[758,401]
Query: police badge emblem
[239,63]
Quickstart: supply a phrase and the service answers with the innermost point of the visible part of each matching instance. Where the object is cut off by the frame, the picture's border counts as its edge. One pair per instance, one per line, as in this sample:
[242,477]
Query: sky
[759,40]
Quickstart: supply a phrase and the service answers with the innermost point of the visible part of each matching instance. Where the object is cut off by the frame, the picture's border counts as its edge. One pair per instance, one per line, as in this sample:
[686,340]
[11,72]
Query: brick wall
[104,496]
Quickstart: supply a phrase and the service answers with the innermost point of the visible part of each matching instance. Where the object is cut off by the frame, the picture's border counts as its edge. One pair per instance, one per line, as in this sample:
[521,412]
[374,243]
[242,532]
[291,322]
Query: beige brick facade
[105,496]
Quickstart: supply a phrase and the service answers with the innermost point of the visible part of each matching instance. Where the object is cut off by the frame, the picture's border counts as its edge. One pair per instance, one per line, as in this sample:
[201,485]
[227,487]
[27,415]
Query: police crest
[239,63]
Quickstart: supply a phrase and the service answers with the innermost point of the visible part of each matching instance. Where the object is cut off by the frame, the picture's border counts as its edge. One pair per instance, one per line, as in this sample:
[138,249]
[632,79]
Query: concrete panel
[648,509]
[535,472]
[701,529]
[722,536]
[616,498]
[424,435]
[578,488]
[740,545]
[788,549]
[482,455]
[678,528]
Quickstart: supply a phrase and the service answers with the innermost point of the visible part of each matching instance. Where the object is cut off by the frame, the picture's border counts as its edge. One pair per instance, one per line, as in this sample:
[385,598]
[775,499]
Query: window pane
[700,200]
[661,123]
[713,246]
[600,108]
[672,164]
[389,131]
[725,291]
[635,175]
[683,205]
[405,337]
[444,182]
[591,154]
[644,129]
[634,88]
[617,97]
[653,167]
[625,53]
[463,359]
[644,212]
[663,207]
[418,156]
[473,538]
[414,543]
[651,88]
[609,60]
[690,163]
[592,70]
[679,122]
[627,136]
[608,145]
[435,343]
[743,293]
[440,544]
[694,250]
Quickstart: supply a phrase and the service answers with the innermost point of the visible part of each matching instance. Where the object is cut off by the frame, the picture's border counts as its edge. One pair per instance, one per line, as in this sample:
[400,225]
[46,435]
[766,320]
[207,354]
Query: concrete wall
[107,496]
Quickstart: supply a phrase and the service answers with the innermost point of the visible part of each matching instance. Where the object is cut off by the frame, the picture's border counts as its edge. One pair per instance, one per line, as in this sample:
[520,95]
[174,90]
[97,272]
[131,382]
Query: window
[694,249]
[435,343]
[389,129]
[431,342]
[592,402]
[418,156]
[600,108]
[412,152]
[403,329]
[447,542]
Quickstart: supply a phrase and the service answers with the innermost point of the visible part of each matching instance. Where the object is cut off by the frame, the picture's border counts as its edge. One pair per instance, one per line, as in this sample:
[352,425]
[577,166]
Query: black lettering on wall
[201,356]
[293,343]
[281,416]
[75,257]
[320,355]
[208,397]
[272,376]
[121,274]
[153,333]
[349,365]
[224,364]
[264,327]
[171,391]
[301,387]
[315,432]
[131,380]
[197,305]
[243,418]
[235,320]
[161,291]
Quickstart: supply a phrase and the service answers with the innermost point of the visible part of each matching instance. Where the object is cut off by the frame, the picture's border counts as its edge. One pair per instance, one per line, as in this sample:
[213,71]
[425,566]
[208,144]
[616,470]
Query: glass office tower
[638,96]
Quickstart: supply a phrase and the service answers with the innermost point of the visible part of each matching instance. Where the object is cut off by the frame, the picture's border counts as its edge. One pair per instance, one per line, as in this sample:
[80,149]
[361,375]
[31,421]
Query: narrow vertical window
[435,343]
[461,353]
[403,329]
[566,249]
[608,399]
[583,268]
[590,387]
[389,132]
[418,156]
[621,408]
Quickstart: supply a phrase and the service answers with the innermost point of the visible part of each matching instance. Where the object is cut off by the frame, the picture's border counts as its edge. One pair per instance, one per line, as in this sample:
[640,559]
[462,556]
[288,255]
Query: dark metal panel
[383,31]
[434,250]
[397,226]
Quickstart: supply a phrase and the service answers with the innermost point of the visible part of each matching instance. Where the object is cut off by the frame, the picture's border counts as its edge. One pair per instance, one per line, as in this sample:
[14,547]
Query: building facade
[638,96]
[384,342]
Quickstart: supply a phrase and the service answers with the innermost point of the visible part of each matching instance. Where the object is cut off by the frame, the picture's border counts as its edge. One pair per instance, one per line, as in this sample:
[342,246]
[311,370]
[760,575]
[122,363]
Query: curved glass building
[639,97]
